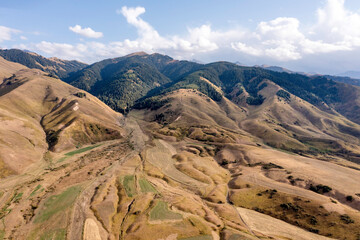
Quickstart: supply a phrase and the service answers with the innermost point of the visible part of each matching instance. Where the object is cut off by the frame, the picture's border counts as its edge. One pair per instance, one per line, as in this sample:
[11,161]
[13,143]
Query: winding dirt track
[81,207]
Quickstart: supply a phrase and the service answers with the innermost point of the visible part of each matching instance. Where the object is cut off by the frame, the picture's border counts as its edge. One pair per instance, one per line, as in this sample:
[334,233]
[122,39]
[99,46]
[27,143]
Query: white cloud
[278,39]
[23,38]
[242,47]
[198,40]
[61,50]
[202,38]
[283,39]
[283,52]
[86,32]
[148,38]
[314,47]
[6,33]
[281,29]
[132,16]
[336,23]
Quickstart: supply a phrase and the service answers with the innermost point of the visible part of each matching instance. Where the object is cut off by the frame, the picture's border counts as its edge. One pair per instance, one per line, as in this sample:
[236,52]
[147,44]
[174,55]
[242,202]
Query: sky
[321,36]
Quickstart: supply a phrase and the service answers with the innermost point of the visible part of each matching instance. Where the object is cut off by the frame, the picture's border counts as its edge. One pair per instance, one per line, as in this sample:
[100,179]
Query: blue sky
[313,36]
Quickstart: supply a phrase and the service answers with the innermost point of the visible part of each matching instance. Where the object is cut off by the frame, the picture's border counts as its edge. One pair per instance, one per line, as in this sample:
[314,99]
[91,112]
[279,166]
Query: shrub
[258,100]
[349,198]
[53,75]
[320,188]
[80,94]
[152,103]
[290,206]
[283,94]
[346,219]
[313,220]
[268,166]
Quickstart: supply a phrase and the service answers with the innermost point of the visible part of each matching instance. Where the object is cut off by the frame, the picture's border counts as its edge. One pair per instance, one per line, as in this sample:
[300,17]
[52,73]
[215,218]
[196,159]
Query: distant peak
[137,54]
[55,59]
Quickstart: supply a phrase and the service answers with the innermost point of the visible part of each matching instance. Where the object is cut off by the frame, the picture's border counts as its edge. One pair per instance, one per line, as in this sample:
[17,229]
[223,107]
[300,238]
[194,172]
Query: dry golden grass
[197,162]
[302,212]
[43,113]
[7,69]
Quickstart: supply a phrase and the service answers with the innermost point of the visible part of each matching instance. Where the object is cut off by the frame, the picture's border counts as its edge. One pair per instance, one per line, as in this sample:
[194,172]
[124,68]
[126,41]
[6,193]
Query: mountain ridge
[54,66]
[202,151]
[59,115]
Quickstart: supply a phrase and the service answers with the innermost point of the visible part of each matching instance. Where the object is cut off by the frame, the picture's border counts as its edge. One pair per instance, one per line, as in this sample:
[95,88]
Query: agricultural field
[161,212]
[227,159]
[145,186]
[81,150]
[58,203]
[130,185]
[78,151]
[58,234]
[203,237]
[37,189]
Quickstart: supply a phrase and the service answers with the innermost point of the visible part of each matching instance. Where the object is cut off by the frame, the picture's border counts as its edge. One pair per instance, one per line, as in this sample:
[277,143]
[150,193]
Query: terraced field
[145,186]
[180,189]
[57,203]
[161,156]
[161,212]
[204,237]
[81,150]
[78,151]
[130,185]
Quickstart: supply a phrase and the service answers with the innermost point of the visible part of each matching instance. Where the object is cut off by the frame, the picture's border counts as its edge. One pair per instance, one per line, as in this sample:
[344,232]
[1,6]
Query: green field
[129,185]
[58,203]
[145,186]
[70,154]
[17,197]
[62,159]
[161,212]
[58,234]
[201,237]
[36,190]
[238,237]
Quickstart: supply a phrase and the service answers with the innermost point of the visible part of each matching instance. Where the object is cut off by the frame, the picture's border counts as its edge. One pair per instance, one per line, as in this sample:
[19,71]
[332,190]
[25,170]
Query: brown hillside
[40,113]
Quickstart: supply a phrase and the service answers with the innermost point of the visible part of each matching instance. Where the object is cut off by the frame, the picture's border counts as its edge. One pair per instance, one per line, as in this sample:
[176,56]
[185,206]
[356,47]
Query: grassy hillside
[212,151]
[320,91]
[40,113]
[259,106]
[7,69]
[286,110]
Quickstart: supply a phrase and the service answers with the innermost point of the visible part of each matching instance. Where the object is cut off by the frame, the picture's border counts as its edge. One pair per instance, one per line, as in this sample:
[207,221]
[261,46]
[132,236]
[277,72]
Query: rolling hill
[120,82]
[203,151]
[41,113]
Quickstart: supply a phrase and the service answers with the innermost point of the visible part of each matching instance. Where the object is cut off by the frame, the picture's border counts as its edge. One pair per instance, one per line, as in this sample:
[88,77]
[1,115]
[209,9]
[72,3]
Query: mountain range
[351,74]
[148,147]
[56,67]
[352,77]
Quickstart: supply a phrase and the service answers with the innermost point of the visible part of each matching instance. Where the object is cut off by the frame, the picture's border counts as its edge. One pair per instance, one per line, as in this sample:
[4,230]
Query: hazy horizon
[321,36]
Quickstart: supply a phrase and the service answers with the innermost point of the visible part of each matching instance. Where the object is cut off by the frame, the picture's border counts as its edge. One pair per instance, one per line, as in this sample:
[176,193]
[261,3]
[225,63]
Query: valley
[182,151]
